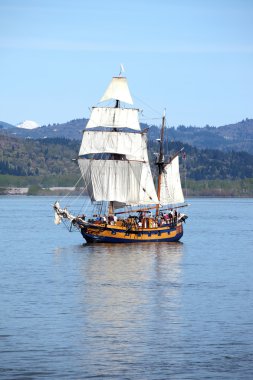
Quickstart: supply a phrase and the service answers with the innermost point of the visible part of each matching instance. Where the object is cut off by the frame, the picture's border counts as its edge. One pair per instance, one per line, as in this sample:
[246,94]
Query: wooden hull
[93,233]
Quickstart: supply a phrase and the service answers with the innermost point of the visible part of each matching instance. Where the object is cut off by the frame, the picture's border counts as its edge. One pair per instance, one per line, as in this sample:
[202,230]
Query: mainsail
[112,180]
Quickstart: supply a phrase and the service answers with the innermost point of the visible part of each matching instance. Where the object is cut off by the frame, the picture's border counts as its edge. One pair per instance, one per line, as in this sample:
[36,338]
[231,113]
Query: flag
[122,70]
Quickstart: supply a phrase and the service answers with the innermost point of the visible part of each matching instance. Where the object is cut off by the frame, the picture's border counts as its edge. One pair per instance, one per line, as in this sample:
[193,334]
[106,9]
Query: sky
[193,58]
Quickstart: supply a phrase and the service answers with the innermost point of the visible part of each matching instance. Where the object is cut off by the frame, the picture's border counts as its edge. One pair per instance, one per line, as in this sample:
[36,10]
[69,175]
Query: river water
[141,311]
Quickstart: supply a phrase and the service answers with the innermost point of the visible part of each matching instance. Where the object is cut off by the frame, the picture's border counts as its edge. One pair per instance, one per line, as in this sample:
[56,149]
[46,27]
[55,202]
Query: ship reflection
[131,293]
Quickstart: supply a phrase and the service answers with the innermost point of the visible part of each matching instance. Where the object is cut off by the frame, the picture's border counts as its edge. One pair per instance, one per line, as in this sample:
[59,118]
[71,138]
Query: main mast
[160,162]
[114,156]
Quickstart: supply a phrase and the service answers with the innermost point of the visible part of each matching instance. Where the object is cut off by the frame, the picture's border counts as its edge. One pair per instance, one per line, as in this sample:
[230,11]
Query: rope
[147,105]
[185,181]
[65,196]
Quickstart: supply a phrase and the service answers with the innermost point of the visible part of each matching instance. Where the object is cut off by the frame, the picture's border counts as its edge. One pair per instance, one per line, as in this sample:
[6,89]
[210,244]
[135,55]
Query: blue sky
[194,58]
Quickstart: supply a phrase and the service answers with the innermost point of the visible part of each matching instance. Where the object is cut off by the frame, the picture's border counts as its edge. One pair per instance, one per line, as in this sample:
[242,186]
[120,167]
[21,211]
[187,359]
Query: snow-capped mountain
[28,124]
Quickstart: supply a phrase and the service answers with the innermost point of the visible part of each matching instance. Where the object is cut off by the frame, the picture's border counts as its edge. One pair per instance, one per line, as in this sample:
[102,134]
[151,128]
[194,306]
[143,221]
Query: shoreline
[73,192]
[56,190]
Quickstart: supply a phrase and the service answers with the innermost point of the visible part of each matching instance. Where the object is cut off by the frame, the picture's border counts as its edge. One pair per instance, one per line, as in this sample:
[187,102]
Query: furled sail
[131,144]
[118,90]
[112,117]
[171,190]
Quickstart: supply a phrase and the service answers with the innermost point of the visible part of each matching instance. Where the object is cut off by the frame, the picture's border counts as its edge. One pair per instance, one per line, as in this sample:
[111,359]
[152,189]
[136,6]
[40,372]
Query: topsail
[131,144]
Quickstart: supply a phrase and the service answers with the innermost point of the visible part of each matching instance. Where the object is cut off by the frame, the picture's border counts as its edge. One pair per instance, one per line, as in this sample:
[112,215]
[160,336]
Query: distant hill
[234,137]
[4,125]
[69,130]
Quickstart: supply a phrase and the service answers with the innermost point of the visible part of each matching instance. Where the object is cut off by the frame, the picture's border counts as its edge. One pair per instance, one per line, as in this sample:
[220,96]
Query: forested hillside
[25,157]
[211,164]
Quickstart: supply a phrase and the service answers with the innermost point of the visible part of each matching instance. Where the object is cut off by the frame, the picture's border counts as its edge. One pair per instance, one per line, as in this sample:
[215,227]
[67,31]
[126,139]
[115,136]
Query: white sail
[148,193]
[128,181]
[118,90]
[131,144]
[114,118]
[171,190]
[112,180]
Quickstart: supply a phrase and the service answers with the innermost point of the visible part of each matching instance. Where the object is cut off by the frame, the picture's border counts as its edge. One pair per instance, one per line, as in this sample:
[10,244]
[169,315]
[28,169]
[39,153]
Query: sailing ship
[114,164]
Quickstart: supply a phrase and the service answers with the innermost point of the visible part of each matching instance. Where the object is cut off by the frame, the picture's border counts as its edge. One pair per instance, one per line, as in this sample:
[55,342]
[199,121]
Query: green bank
[45,185]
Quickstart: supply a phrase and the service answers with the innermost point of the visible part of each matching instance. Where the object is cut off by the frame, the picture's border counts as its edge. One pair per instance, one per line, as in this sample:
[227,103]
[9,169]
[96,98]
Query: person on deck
[175,216]
[170,215]
[110,219]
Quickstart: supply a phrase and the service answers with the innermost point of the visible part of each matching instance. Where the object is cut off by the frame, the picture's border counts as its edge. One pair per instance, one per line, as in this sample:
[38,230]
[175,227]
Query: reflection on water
[129,292]
[129,298]
[119,276]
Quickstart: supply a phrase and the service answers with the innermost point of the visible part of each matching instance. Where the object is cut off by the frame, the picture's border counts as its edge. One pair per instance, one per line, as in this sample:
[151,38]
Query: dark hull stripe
[112,239]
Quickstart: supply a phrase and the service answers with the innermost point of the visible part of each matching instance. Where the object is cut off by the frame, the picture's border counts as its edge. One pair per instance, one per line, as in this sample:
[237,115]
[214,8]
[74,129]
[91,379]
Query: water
[151,311]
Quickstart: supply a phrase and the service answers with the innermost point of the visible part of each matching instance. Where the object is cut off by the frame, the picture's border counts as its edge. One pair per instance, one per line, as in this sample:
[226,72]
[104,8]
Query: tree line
[54,157]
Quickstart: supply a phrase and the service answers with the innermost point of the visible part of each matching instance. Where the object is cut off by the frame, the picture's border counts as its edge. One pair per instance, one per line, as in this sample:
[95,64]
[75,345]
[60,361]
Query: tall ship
[114,164]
